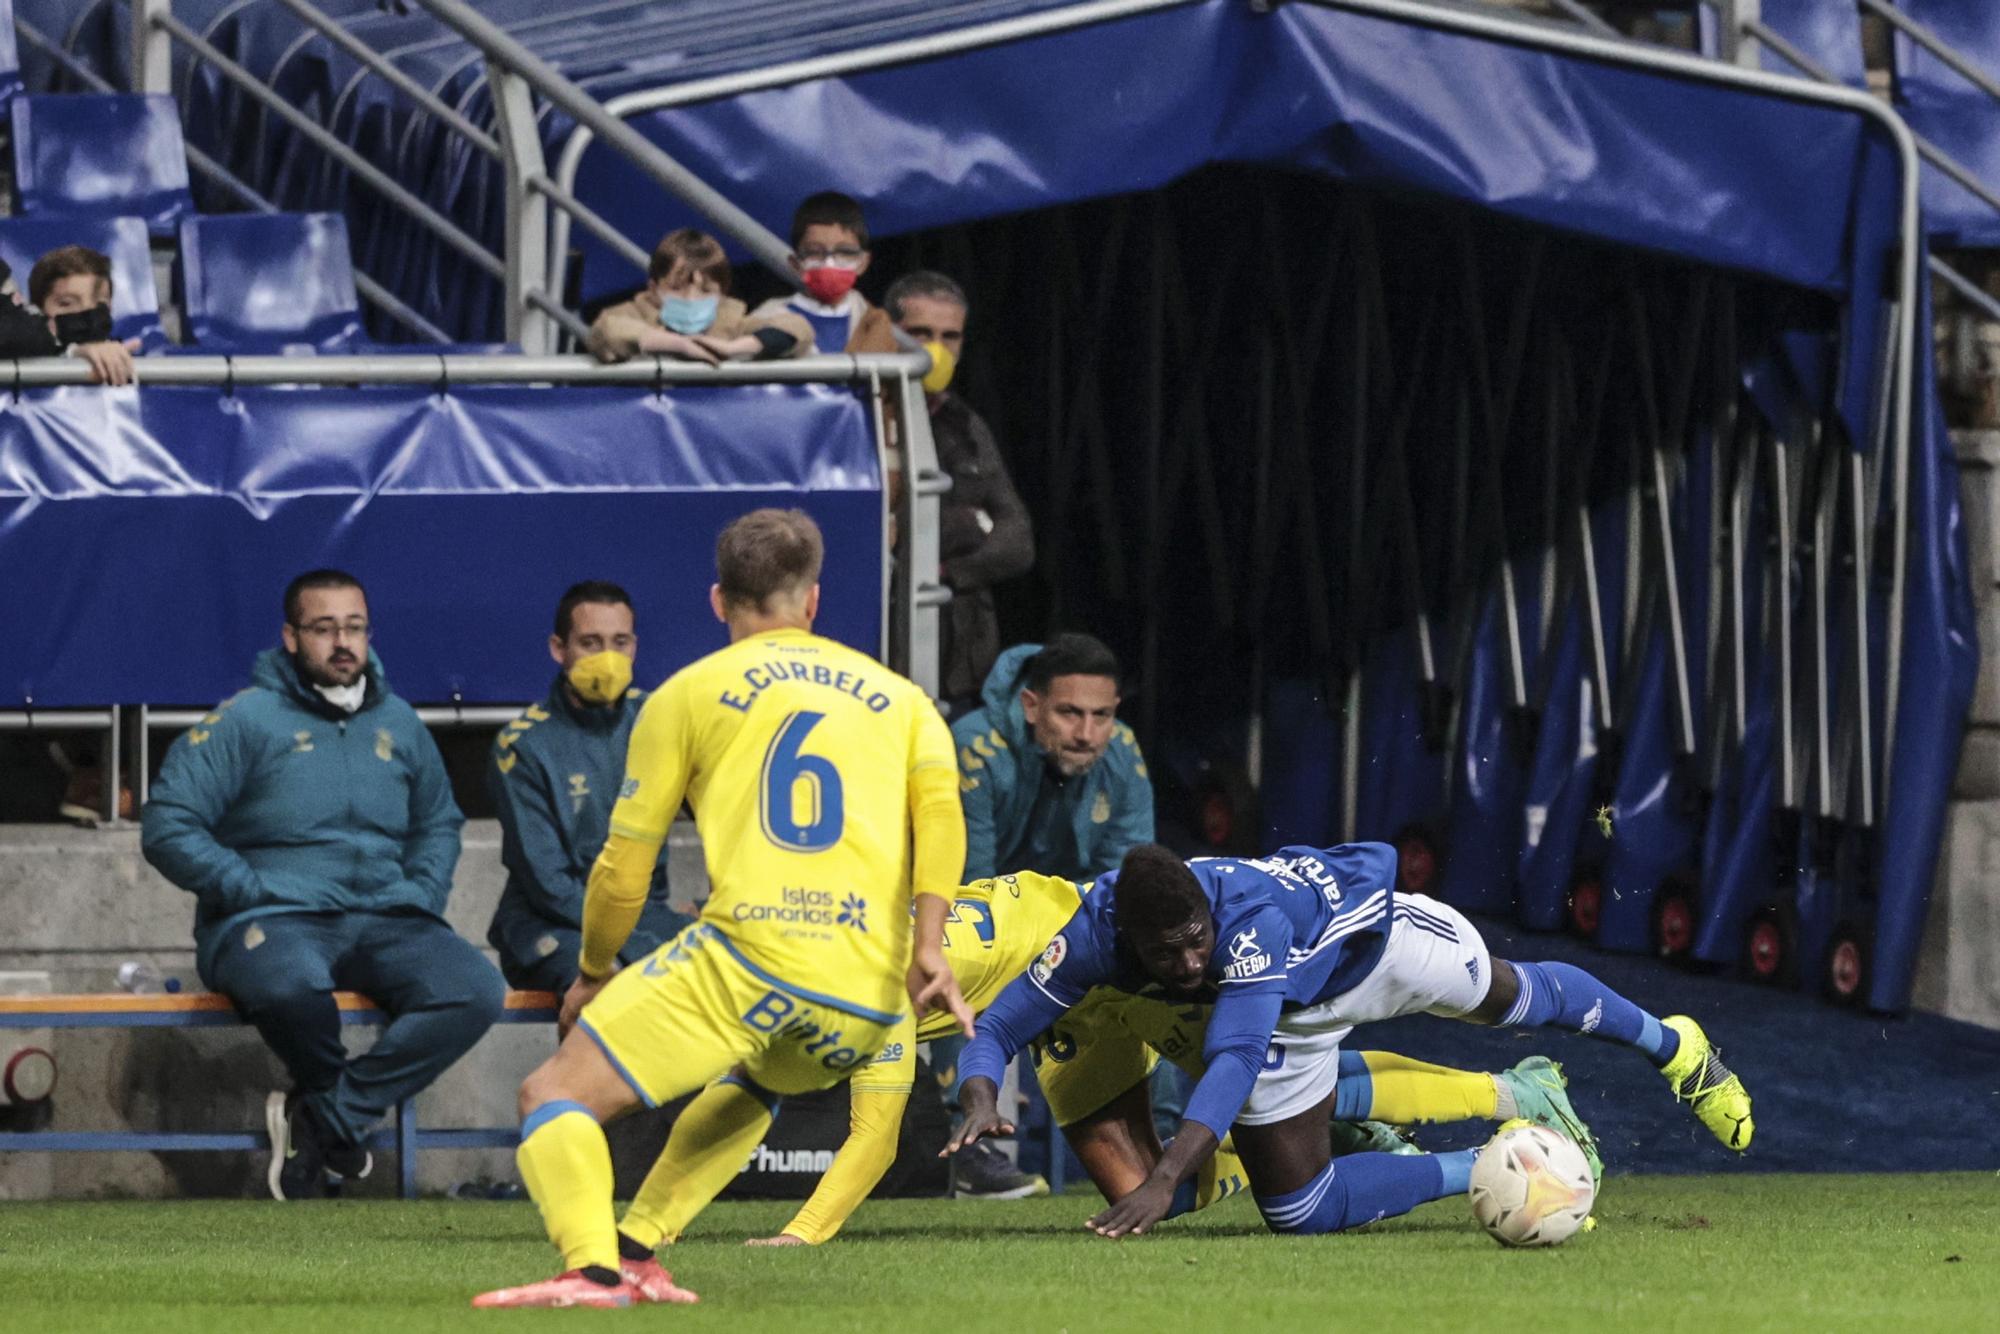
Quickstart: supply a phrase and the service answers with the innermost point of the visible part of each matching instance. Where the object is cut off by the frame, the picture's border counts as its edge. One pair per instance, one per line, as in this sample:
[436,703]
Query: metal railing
[370,290]
[532,282]
[909,602]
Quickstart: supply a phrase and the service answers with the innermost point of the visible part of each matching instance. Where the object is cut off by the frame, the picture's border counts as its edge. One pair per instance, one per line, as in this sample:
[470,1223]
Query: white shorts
[1434,963]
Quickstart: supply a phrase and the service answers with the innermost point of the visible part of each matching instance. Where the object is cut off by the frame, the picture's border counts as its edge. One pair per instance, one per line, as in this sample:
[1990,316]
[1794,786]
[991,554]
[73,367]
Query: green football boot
[1538,1086]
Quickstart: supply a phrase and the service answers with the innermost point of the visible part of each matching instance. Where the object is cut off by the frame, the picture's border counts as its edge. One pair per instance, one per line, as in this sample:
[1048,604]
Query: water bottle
[143,979]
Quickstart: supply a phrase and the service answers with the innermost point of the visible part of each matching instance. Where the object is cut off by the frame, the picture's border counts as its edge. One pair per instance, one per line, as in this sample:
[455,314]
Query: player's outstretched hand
[1136,1213]
[933,987]
[782,1239]
[980,1100]
[581,993]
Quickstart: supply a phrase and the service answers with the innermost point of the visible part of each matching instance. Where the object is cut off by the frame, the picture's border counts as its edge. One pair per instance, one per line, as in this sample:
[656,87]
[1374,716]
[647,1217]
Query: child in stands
[685,311]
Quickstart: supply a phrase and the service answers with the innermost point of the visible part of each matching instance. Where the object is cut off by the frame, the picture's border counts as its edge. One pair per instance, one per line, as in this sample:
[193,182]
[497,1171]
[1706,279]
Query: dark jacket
[554,777]
[1020,814]
[976,555]
[279,802]
[23,333]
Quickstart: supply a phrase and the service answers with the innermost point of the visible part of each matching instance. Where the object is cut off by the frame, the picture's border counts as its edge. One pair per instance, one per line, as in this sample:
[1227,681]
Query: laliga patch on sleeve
[1051,959]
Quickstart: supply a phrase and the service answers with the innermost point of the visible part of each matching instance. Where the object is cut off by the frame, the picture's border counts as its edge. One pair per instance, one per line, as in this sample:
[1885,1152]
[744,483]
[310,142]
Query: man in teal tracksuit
[311,818]
[1052,782]
[554,777]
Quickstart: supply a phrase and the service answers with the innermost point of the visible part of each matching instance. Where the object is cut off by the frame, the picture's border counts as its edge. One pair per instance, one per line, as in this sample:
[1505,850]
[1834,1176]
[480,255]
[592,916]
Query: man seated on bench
[311,818]
[554,776]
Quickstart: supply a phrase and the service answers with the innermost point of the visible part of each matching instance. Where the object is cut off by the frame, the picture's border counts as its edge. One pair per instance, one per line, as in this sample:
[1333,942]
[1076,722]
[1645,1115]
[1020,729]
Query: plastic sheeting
[147,536]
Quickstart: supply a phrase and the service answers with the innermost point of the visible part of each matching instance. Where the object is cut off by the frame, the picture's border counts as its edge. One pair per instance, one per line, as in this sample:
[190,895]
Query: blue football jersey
[1308,923]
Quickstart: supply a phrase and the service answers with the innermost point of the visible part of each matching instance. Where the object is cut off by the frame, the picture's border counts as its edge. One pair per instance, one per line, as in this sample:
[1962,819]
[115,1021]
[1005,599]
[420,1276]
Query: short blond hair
[765,554]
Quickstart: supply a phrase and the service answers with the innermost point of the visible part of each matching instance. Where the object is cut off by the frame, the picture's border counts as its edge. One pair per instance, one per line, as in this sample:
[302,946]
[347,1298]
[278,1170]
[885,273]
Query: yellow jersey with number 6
[795,753]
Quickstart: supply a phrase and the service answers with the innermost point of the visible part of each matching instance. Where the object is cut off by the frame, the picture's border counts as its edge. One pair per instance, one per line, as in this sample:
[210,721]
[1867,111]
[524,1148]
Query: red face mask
[827,284]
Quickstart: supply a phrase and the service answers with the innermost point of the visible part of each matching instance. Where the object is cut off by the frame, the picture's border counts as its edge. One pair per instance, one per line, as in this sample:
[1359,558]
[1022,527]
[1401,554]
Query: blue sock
[1561,995]
[1354,1091]
[1184,1197]
[1363,1188]
[1457,1168]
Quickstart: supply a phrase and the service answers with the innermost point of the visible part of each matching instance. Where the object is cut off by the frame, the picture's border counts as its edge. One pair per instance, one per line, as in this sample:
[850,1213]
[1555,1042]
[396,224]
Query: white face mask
[345,698]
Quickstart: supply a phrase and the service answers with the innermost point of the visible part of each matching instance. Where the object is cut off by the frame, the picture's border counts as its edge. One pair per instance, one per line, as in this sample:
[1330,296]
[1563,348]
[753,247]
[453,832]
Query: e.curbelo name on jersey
[764,675]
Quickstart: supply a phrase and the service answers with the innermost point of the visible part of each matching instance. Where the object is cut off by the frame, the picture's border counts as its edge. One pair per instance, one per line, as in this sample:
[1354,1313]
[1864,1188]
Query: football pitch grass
[1720,1254]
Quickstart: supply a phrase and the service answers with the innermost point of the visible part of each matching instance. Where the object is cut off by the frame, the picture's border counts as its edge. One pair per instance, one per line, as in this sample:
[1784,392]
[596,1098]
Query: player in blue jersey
[1293,951]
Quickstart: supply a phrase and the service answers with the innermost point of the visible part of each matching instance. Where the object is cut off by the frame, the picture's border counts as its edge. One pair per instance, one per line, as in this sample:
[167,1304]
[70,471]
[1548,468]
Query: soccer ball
[1531,1187]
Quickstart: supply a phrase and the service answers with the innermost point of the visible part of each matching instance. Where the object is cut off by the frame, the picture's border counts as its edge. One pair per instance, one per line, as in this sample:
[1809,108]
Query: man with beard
[311,818]
[1052,782]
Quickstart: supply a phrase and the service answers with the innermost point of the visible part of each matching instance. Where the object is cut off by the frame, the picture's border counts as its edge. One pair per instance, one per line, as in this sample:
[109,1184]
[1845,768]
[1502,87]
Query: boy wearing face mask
[686,311]
[554,777]
[830,253]
[71,286]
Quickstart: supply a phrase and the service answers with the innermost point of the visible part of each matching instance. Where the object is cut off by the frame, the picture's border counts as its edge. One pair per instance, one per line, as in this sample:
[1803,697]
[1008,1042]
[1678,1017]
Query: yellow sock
[567,1167]
[710,1142]
[1221,1176]
[1408,1093]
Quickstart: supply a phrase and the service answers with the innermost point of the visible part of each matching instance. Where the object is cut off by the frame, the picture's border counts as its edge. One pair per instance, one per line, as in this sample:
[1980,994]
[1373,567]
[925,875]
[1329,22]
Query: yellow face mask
[601,678]
[943,366]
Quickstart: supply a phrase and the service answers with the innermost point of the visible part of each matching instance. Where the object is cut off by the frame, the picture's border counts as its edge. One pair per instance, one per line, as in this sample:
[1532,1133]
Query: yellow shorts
[1107,1045]
[694,1009]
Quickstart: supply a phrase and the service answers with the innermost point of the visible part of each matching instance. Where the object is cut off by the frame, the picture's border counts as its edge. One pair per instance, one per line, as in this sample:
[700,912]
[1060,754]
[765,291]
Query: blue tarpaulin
[147,535]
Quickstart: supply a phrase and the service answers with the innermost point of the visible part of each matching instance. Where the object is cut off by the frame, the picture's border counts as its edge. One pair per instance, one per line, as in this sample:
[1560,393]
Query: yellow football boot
[1711,1089]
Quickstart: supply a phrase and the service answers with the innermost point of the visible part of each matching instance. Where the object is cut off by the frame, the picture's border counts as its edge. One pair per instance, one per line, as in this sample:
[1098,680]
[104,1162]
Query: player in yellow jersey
[824,787]
[1092,1067]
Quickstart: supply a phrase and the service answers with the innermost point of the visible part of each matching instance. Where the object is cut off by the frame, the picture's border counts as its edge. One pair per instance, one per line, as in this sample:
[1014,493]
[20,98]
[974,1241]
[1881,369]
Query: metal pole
[1736,15]
[527,212]
[109,763]
[924,484]
[152,53]
[432,369]
[503,50]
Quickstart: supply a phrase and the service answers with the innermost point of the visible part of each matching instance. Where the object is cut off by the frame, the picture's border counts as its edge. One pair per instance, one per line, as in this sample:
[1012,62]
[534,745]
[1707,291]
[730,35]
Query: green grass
[1717,1254]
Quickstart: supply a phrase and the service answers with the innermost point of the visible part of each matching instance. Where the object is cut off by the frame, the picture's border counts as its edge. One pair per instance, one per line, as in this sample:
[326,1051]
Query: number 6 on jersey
[798,802]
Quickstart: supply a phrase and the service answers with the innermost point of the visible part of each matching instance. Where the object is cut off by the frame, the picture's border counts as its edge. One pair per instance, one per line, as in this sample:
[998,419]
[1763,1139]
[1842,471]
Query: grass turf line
[1733,1254]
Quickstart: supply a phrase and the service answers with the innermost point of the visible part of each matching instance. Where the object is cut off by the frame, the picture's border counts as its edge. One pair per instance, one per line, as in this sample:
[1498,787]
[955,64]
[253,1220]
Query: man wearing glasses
[311,818]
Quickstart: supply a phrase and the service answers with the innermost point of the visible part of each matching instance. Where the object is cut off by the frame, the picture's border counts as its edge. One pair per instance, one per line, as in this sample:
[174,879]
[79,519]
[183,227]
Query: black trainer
[980,1171]
[347,1162]
[298,1154]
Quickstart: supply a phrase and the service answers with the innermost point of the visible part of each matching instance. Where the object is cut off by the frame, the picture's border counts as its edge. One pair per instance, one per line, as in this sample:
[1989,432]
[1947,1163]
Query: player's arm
[937,823]
[1239,1032]
[656,774]
[1050,988]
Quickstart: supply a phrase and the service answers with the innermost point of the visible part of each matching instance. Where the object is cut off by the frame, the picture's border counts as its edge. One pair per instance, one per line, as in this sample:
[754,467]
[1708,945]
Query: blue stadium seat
[135,298]
[270,282]
[101,155]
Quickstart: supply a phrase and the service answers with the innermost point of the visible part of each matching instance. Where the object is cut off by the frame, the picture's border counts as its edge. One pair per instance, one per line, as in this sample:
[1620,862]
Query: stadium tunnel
[1516,449]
